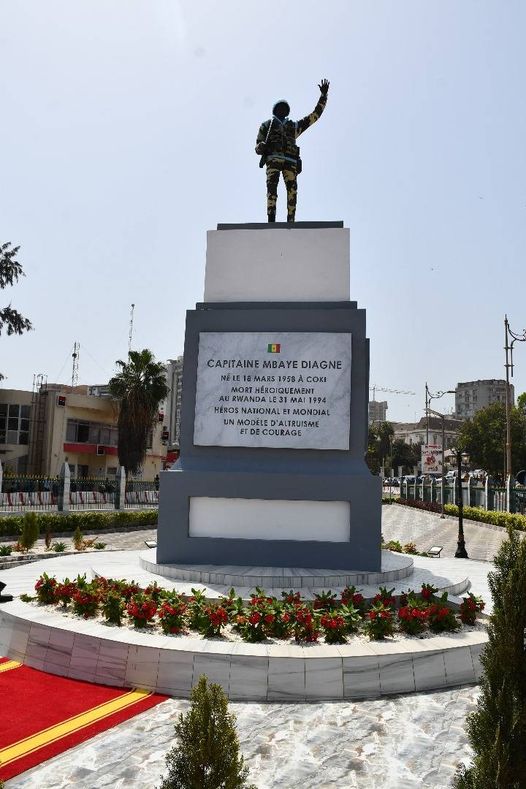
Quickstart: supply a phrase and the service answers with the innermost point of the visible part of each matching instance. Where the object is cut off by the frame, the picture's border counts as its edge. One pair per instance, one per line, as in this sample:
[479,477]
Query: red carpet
[43,715]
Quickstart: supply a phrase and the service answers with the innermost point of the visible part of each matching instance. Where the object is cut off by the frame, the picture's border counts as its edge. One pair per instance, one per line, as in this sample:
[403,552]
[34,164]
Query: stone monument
[274,409]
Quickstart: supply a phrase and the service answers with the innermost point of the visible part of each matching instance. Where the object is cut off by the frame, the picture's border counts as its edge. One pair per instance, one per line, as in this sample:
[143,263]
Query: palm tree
[140,386]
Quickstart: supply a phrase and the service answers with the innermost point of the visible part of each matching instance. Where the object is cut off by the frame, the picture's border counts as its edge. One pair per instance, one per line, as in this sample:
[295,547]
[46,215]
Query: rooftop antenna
[75,366]
[130,335]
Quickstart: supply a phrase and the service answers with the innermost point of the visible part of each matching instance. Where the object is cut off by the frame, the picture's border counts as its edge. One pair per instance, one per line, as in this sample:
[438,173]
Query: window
[91,433]
[83,433]
[13,428]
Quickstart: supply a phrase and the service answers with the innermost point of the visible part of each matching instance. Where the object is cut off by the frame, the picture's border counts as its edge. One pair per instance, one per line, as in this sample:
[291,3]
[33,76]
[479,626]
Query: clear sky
[128,130]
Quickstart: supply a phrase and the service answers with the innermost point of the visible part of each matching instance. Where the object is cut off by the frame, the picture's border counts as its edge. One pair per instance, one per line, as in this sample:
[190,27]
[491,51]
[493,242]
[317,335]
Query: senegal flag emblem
[273,347]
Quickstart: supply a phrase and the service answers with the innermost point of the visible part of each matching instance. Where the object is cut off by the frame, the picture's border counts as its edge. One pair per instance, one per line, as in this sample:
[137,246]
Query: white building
[419,432]
[471,396]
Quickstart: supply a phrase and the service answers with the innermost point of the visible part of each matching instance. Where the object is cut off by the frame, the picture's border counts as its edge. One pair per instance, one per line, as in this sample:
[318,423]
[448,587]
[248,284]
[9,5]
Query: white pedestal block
[260,519]
[300,264]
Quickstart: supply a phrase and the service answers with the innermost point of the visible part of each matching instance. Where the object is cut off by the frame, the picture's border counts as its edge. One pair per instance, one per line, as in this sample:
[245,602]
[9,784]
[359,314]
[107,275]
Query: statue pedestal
[274,409]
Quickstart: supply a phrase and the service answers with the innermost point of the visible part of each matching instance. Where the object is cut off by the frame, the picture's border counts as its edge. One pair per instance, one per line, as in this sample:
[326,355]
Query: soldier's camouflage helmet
[281,101]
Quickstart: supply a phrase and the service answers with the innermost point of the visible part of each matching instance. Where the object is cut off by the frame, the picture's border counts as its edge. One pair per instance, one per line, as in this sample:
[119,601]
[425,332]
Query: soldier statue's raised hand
[276,144]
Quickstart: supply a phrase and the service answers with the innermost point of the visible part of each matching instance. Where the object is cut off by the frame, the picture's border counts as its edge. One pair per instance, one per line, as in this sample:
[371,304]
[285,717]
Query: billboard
[431,459]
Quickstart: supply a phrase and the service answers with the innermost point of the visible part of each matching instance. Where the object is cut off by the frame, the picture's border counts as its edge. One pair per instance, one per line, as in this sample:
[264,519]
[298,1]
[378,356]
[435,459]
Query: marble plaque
[285,390]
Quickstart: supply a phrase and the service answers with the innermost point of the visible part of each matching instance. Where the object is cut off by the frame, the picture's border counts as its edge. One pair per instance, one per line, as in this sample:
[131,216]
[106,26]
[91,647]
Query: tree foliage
[378,445]
[207,752]
[11,321]
[405,455]
[497,729]
[140,387]
[484,437]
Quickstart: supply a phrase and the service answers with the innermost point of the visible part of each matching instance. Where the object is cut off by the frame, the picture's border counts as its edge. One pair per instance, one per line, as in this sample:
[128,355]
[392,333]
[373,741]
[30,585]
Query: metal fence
[21,493]
[487,497]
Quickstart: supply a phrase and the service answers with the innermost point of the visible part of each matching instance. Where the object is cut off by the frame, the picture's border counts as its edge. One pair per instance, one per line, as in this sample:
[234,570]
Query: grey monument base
[362,491]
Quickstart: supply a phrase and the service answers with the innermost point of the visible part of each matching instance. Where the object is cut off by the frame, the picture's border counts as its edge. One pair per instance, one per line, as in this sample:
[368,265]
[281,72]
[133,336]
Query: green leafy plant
[412,618]
[441,617]
[469,608]
[59,547]
[113,608]
[207,751]
[85,601]
[64,592]
[172,615]
[26,598]
[30,531]
[45,589]
[215,617]
[141,610]
[379,622]
[99,546]
[334,627]
[6,550]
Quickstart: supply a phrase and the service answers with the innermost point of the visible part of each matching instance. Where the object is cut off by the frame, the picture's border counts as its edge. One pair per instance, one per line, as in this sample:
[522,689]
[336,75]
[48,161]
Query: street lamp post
[508,347]
[443,418]
[429,397]
[461,552]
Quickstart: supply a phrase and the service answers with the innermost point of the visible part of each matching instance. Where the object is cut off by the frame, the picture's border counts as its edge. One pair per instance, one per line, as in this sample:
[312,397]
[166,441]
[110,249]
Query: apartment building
[471,396]
[377,411]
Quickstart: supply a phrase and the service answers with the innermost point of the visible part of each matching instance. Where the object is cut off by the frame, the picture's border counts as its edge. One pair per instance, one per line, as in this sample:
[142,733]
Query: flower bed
[329,616]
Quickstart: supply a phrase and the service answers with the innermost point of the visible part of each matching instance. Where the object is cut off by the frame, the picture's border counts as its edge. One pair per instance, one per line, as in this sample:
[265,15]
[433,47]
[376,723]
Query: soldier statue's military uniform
[276,144]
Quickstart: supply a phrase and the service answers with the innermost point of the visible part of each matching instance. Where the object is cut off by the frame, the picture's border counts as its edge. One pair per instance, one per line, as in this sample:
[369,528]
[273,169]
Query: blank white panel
[269,519]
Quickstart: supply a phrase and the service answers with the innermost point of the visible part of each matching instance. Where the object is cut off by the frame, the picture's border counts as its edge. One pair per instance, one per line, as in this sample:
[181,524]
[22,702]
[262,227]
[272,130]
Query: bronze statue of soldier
[276,144]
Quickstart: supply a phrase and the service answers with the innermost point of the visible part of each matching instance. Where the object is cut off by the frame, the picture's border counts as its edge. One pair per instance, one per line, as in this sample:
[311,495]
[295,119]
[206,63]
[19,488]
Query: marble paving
[406,742]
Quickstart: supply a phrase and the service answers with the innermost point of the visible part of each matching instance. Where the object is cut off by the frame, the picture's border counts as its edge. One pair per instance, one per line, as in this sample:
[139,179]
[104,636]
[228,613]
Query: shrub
[85,601]
[59,547]
[469,608]
[503,519]
[5,550]
[78,539]
[214,619]
[45,589]
[26,598]
[334,627]
[141,610]
[379,622]
[48,536]
[172,615]
[88,521]
[30,531]
[207,750]
[305,625]
[64,591]
[99,546]
[441,617]
[113,608]
[412,619]
[497,728]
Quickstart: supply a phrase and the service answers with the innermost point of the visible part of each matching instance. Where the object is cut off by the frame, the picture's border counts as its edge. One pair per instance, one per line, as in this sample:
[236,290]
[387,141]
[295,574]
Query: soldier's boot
[291,217]
[271,216]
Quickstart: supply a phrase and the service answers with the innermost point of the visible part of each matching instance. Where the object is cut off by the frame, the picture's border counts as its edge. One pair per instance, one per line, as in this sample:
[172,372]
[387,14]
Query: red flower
[269,618]
[254,617]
